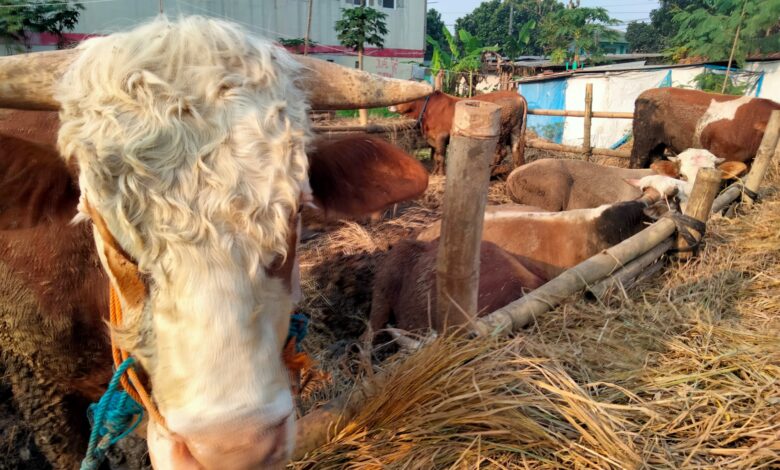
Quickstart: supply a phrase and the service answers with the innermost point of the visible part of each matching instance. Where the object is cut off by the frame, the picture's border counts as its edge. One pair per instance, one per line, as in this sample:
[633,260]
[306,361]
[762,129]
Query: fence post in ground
[586,147]
[699,205]
[475,129]
[768,147]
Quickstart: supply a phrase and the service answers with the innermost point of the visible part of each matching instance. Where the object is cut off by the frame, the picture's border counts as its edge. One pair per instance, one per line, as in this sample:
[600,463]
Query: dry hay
[680,372]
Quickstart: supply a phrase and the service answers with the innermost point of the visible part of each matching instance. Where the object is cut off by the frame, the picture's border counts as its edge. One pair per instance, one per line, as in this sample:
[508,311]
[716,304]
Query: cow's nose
[243,448]
[238,447]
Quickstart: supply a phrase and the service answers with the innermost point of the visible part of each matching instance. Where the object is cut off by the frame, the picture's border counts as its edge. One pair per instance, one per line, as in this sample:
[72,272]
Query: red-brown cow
[435,114]
[54,341]
[520,251]
[731,127]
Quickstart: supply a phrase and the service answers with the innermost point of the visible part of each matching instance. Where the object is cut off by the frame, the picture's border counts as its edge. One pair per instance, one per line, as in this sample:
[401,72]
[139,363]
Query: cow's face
[692,160]
[404,108]
[190,141]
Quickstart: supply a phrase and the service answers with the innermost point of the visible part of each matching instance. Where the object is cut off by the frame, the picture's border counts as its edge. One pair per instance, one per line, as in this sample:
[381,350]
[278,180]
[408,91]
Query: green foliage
[374,112]
[433,27]
[489,22]
[295,42]
[642,37]
[360,26]
[455,58]
[36,16]
[708,30]
[572,32]
[713,82]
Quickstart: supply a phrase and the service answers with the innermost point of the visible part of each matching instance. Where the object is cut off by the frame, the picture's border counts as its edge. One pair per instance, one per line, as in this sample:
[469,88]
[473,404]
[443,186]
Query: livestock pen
[679,371]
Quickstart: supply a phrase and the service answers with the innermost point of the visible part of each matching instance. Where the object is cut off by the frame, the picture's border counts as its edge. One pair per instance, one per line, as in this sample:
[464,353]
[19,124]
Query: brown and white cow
[731,127]
[435,114]
[185,143]
[520,251]
[562,184]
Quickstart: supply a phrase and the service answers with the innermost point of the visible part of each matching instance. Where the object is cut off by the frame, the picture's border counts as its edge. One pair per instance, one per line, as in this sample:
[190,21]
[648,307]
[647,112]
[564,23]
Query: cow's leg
[439,154]
[48,413]
[517,141]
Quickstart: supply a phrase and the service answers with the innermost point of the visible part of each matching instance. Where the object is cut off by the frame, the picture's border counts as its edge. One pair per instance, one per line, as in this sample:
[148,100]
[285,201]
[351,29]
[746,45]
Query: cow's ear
[732,170]
[357,175]
[666,168]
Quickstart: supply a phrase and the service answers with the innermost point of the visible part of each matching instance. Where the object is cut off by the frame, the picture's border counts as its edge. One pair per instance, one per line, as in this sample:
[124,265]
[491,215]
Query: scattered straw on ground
[680,372]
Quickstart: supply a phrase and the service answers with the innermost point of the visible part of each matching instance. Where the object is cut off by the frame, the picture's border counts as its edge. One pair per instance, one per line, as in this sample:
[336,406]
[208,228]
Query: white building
[274,19]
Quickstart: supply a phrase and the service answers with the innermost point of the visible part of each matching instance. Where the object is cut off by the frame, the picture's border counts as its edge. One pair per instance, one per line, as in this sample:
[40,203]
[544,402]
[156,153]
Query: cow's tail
[521,143]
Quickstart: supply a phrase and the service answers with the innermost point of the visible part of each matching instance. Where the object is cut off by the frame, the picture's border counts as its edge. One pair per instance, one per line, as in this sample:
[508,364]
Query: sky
[623,10]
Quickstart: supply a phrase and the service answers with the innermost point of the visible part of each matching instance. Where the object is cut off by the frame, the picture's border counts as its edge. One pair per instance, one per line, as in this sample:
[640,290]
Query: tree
[459,58]
[433,28]
[489,23]
[574,32]
[642,37]
[36,16]
[709,31]
[358,27]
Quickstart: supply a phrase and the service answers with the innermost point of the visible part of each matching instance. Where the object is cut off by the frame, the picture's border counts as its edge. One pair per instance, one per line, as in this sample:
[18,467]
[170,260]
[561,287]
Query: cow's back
[511,107]
[561,184]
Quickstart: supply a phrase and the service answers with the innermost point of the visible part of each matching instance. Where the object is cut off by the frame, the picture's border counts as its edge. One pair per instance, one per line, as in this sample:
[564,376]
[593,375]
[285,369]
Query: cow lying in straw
[435,114]
[557,185]
[185,144]
[520,251]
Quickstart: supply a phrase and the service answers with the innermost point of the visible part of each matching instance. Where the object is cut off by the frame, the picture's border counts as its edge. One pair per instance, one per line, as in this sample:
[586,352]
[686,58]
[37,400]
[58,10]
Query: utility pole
[733,47]
[308,29]
[511,15]
[362,113]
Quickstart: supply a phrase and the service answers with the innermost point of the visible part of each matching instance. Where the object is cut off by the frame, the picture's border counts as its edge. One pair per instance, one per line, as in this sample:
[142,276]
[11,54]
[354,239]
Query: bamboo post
[586,148]
[471,82]
[700,204]
[768,147]
[475,129]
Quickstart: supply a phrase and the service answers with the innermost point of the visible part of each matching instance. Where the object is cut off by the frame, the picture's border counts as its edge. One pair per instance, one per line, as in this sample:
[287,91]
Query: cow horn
[27,81]
[333,86]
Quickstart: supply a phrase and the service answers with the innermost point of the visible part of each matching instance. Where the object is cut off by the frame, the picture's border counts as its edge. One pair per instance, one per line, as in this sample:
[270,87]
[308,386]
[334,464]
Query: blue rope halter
[111,419]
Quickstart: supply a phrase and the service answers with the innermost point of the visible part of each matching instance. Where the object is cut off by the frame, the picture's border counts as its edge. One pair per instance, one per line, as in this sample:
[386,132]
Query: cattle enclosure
[652,401]
[616,295]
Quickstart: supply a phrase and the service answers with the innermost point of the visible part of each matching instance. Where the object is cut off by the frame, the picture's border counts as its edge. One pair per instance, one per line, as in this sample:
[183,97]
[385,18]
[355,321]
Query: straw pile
[680,372]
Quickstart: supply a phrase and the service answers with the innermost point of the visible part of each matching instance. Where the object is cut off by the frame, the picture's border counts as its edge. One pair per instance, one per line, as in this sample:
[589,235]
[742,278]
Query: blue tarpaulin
[548,94]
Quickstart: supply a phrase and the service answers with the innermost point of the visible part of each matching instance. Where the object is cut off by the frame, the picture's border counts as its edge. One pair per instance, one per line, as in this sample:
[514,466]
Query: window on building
[387,3]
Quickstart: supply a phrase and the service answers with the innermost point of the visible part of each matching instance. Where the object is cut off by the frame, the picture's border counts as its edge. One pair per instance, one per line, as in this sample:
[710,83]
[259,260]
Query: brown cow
[520,251]
[731,127]
[54,292]
[558,184]
[435,114]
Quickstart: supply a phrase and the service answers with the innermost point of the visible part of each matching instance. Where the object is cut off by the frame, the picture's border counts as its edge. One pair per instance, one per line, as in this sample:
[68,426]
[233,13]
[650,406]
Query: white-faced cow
[559,184]
[731,127]
[185,144]
[435,114]
[520,251]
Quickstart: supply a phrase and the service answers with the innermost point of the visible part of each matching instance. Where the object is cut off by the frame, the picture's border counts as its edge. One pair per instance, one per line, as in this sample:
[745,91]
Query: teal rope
[299,327]
[111,418]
